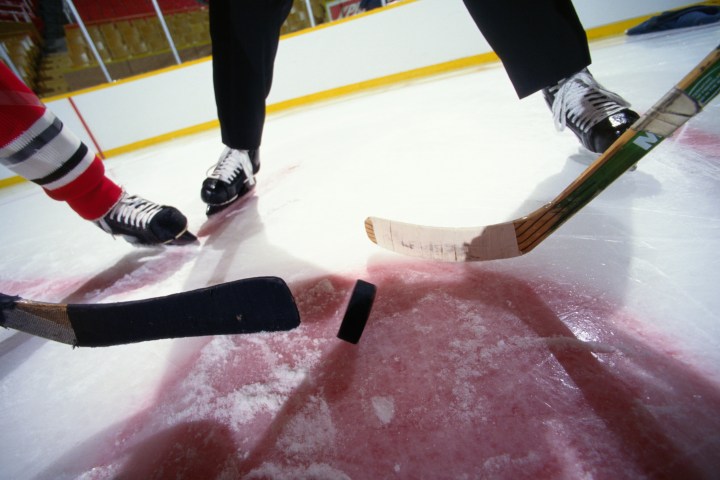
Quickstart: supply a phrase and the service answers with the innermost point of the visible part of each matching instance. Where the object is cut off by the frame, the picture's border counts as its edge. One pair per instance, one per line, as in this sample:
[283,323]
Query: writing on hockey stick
[647,141]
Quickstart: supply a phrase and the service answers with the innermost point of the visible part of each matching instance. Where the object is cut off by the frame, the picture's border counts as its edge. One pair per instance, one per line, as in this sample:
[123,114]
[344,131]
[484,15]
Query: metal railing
[114,39]
[17,10]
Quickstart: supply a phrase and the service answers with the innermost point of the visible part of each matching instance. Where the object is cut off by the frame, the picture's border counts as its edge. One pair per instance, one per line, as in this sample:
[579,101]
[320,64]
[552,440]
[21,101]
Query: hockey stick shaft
[517,237]
[680,104]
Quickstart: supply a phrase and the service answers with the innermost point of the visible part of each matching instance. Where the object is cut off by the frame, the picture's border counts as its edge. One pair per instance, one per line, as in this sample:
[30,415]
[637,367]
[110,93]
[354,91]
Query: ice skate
[142,222]
[597,116]
[230,179]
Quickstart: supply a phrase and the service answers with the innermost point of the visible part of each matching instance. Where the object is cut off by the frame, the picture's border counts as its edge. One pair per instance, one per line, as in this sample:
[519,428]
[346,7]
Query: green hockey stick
[517,237]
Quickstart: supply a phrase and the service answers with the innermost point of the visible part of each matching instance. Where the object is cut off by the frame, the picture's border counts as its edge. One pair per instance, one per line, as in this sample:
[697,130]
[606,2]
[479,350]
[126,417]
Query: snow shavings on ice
[313,471]
[461,373]
[311,432]
[203,397]
[384,408]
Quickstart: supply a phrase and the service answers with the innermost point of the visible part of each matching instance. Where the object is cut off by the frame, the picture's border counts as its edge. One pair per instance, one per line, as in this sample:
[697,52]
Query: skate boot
[596,116]
[230,179]
[142,222]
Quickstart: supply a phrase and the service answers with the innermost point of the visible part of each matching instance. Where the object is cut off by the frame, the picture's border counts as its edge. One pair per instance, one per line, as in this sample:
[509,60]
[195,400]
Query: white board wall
[402,38]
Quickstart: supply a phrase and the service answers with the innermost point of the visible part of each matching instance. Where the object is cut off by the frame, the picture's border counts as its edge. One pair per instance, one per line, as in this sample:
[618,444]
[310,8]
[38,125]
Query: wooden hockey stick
[517,237]
[262,304]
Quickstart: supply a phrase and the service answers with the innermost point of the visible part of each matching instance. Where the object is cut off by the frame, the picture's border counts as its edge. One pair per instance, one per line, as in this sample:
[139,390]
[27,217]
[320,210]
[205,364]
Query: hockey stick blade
[517,237]
[262,304]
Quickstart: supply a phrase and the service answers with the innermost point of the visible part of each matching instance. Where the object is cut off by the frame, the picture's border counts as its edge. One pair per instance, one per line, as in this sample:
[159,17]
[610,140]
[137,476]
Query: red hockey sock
[92,194]
[58,161]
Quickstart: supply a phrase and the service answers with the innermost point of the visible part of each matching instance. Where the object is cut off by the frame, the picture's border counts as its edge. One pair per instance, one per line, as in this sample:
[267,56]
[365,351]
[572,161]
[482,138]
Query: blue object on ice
[685,17]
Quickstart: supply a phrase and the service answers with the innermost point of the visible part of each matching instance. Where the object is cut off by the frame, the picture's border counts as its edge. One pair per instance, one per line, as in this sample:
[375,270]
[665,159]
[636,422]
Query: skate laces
[582,101]
[231,163]
[133,211]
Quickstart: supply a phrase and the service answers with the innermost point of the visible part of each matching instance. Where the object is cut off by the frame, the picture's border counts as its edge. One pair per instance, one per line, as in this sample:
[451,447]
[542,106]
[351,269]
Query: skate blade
[214,209]
[184,238]
[240,198]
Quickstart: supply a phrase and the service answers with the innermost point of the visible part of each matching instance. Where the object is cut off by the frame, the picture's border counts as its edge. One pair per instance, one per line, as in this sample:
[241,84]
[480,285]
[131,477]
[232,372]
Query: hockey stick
[517,237]
[262,304]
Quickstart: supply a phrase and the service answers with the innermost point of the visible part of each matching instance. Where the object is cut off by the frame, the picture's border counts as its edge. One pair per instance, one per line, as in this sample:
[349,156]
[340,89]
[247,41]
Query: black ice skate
[597,116]
[142,222]
[231,178]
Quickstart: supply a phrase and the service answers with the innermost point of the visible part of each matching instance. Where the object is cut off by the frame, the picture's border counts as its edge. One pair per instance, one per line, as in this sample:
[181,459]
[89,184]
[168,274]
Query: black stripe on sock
[66,167]
[36,143]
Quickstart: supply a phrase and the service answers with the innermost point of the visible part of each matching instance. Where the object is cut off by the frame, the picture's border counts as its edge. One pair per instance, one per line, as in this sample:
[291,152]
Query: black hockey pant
[538,41]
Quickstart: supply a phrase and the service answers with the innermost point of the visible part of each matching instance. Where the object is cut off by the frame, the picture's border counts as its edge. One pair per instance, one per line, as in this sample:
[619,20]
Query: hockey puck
[358,311]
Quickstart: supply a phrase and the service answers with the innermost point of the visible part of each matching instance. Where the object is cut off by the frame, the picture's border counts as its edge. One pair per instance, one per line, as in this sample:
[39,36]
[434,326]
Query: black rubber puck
[358,311]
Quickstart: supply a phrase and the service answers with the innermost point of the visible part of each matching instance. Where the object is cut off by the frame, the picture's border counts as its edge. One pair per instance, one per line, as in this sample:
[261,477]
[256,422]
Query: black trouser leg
[245,36]
[539,42]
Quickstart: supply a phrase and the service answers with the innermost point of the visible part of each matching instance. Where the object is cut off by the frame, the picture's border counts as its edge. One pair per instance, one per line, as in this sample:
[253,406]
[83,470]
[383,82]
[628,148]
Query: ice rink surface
[594,356]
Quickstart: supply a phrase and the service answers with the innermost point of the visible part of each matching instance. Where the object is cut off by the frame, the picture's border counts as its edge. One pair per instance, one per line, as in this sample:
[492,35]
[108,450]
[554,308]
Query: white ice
[457,149]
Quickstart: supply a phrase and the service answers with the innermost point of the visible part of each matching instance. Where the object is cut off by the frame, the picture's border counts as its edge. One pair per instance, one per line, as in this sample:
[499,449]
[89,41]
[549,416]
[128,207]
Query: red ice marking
[243,209]
[126,278]
[463,372]
[702,141]
[44,290]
